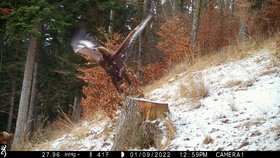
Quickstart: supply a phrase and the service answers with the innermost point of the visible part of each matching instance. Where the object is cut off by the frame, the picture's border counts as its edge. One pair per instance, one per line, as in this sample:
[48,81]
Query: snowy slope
[245,116]
[240,112]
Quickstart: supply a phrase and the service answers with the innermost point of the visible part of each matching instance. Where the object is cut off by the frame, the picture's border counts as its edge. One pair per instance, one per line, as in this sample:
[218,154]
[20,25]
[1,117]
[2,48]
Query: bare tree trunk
[30,117]
[11,109]
[229,8]
[221,30]
[173,4]
[47,100]
[139,61]
[195,21]
[110,29]
[227,5]
[182,5]
[77,109]
[1,59]
[25,93]
[143,7]
[242,30]
[242,11]
[232,7]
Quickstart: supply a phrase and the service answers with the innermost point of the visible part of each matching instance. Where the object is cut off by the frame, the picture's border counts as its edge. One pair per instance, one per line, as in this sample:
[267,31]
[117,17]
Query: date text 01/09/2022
[157,154]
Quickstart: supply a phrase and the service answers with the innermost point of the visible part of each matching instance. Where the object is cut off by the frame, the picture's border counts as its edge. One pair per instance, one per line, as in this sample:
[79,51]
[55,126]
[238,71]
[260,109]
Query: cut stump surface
[139,124]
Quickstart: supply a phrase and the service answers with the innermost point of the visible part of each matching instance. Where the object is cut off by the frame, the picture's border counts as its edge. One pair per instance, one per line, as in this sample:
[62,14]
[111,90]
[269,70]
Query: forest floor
[232,105]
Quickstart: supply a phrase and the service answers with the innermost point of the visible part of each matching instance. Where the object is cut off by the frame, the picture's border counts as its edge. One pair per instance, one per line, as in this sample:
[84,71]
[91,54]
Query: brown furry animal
[5,137]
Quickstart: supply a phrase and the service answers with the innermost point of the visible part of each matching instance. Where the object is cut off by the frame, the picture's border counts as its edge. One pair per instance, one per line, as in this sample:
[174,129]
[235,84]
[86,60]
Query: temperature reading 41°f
[103,154]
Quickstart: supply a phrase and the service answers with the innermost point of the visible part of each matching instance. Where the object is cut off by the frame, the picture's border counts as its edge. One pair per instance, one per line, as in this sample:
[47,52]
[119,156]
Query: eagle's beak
[95,48]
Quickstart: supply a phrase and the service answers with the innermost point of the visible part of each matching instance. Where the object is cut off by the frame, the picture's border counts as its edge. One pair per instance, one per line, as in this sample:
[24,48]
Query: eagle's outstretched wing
[124,51]
[85,44]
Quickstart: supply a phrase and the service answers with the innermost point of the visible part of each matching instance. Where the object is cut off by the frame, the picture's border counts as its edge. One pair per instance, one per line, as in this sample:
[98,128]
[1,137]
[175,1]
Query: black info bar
[139,154]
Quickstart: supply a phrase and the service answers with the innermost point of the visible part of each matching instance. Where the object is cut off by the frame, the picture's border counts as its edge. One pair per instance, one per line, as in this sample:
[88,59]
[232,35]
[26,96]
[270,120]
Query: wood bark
[139,58]
[47,100]
[182,5]
[30,117]
[173,4]
[25,93]
[137,128]
[77,109]
[143,7]
[1,59]
[110,28]
[195,21]
[221,23]
[12,104]
[242,30]
[242,13]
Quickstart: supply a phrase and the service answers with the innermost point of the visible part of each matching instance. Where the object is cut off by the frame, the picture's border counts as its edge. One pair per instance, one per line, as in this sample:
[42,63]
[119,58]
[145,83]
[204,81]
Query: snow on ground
[241,111]
[90,136]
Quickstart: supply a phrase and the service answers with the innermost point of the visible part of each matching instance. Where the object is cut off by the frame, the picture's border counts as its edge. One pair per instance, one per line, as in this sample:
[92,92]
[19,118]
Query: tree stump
[139,124]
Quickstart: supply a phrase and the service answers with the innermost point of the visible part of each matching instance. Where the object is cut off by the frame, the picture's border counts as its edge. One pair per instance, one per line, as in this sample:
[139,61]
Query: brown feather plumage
[112,61]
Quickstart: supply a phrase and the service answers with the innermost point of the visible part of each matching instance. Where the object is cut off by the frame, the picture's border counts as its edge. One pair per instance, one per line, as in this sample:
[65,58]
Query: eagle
[113,62]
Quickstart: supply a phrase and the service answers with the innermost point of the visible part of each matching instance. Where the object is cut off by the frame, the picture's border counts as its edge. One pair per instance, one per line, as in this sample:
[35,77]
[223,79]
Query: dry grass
[43,134]
[41,139]
[250,123]
[232,83]
[268,72]
[170,133]
[171,129]
[208,140]
[232,103]
[184,90]
[195,90]
[247,83]
[240,84]
[230,53]
[275,49]
[80,132]
[107,131]
[276,57]
[255,133]
[276,128]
